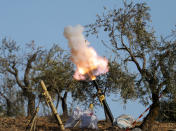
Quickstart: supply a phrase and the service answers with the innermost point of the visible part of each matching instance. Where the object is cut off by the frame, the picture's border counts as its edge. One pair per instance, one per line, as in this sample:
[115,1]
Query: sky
[44,20]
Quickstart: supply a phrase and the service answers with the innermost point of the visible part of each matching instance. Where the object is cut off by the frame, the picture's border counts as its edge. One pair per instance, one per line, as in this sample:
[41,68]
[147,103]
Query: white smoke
[83,56]
[75,37]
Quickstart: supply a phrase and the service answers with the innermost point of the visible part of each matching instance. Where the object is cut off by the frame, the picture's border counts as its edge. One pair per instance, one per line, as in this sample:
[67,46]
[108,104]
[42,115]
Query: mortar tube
[105,104]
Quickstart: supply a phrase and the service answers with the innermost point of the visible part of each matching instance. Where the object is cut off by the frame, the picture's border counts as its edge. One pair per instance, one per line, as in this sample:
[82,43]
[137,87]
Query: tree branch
[65,95]
[28,68]
[16,74]
[162,84]
[163,69]
[144,62]
[130,53]
[2,94]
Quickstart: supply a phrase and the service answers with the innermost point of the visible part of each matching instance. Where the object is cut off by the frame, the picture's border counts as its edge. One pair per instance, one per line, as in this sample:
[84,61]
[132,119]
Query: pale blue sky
[44,22]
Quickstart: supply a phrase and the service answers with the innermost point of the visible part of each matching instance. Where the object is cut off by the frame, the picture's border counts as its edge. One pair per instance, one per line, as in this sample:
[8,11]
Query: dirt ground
[49,124]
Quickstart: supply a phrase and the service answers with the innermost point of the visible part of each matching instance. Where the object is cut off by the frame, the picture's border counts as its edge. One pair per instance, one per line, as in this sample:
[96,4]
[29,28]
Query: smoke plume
[88,63]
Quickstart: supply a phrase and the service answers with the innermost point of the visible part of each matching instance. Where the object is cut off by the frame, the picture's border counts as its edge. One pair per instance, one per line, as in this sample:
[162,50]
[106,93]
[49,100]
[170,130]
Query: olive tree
[133,41]
[19,64]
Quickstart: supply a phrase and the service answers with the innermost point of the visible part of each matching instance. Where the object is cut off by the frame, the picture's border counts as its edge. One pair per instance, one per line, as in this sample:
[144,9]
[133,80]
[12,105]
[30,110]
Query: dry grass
[49,124]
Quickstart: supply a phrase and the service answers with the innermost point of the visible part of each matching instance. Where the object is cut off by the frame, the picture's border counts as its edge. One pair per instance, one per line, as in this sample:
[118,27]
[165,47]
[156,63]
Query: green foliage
[15,62]
[133,40]
[54,68]
[134,43]
[12,103]
[110,83]
[120,81]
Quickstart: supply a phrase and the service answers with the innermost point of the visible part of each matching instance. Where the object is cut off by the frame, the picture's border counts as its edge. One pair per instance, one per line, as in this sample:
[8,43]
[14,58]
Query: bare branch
[131,54]
[2,94]
[162,84]
[16,74]
[127,59]
[10,71]
[144,62]
[114,40]
[28,68]
[161,64]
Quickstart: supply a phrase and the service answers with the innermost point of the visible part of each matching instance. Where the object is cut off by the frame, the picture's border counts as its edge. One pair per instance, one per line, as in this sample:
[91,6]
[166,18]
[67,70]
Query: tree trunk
[106,116]
[9,107]
[64,105]
[152,115]
[31,104]
[58,99]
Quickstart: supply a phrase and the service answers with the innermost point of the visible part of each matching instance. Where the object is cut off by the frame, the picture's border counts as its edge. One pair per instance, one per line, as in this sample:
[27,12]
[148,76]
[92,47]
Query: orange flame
[91,66]
[88,63]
